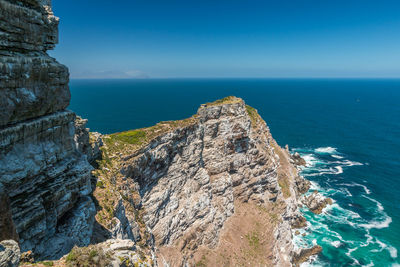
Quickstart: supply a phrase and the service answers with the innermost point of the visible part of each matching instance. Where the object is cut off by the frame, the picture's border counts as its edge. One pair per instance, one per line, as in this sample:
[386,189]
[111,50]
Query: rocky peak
[186,185]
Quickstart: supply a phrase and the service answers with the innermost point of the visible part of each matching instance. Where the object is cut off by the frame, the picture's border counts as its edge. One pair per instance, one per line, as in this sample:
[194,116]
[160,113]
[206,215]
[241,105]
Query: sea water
[348,130]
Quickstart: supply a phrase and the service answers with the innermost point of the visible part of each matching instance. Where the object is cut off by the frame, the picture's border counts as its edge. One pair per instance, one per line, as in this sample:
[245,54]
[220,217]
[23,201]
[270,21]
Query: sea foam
[326,150]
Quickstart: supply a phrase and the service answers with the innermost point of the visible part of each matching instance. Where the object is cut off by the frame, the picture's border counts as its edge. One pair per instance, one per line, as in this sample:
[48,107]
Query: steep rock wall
[45,179]
[214,184]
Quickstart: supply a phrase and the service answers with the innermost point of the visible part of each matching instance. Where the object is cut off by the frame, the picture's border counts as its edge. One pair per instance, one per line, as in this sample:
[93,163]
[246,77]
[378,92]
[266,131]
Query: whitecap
[378,204]
[377,224]
[393,252]
[350,163]
[326,150]
[336,244]
[337,156]
[366,189]
[339,170]
[310,160]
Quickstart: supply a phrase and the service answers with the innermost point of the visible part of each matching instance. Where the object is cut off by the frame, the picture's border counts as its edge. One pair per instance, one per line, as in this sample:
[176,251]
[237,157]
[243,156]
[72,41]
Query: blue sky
[249,38]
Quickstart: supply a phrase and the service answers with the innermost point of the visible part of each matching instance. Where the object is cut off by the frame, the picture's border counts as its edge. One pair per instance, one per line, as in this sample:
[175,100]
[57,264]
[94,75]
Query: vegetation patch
[224,101]
[202,262]
[253,114]
[284,185]
[87,256]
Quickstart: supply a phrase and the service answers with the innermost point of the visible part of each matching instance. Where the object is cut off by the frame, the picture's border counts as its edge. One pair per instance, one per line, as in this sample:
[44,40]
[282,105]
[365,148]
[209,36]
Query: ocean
[348,130]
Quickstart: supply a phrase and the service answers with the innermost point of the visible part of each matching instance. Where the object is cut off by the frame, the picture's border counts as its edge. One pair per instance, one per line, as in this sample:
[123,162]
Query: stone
[47,180]
[183,184]
[305,254]
[316,202]
[9,253]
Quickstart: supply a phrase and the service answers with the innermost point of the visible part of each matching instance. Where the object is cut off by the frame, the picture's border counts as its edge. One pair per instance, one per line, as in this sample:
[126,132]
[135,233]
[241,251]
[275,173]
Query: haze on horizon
[261,39]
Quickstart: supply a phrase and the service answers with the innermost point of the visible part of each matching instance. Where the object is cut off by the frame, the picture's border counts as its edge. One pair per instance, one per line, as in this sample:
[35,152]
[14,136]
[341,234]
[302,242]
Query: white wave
[377,224]
[339,170]
[395,265]
[370,264]
[367,191]
[378,204]
[337,156]
[310,160]
[393,252]
[350,163]
[348,253]
[336,244]
[326,150]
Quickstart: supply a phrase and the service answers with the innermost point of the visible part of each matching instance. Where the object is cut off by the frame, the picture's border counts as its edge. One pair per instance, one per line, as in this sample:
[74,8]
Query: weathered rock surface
[185,182]
[32,83]
[316,202]
[304,254]
[9,253]
[88,143]
[44,178]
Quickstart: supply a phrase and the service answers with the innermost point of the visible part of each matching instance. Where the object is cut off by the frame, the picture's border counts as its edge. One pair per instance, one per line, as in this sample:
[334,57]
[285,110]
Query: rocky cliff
[44,179]
[209,190]
[214,189]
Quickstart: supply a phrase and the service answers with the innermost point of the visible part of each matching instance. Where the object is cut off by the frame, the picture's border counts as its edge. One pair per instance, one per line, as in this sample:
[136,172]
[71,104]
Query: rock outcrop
[45,179]
[214,189]
[190,185]
[316,202]
[9,253]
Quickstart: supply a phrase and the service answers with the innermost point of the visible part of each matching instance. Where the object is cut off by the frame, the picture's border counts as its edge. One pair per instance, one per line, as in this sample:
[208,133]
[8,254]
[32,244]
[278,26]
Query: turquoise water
[348,130]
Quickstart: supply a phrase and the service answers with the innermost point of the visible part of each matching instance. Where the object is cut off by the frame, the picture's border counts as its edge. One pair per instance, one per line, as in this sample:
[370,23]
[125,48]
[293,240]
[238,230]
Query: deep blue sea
[348,130]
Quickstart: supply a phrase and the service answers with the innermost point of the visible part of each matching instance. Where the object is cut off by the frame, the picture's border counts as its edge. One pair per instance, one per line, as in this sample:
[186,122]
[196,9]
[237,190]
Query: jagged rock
[297,160]
[88,143]
[32,83]
[9,253]
[45,176]
[186,180]
[305,254]
[302,185]
[316,202]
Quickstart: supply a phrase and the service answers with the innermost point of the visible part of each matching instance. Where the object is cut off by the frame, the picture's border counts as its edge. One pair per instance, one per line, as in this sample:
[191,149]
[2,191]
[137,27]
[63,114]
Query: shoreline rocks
[316,202]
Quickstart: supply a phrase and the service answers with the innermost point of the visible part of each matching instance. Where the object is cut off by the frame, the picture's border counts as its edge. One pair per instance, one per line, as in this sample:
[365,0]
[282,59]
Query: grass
[223,101]
[135,137]
[253,240]
[253,114]
[87,256]
[202,262]
[284,185]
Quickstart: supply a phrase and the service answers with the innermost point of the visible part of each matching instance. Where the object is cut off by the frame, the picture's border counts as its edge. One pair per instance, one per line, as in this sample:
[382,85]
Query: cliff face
[212,189]
[45,180]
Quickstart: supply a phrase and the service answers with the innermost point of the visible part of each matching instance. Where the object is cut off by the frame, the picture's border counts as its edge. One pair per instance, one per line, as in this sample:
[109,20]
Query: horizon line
[259,78]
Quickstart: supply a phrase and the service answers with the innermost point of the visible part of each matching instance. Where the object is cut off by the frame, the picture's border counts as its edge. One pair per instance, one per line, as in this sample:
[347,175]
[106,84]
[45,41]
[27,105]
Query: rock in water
[316,202]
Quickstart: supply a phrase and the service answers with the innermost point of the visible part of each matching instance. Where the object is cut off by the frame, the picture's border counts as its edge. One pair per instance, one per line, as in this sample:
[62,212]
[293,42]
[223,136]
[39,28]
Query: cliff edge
[44,179]
[208,190]
[214,189]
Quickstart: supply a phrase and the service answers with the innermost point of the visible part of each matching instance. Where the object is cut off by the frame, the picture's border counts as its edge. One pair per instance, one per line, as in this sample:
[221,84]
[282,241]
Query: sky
[221,39]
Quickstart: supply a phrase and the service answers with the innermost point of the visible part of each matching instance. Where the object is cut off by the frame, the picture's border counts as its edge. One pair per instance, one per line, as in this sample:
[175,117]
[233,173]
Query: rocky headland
[214,189]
